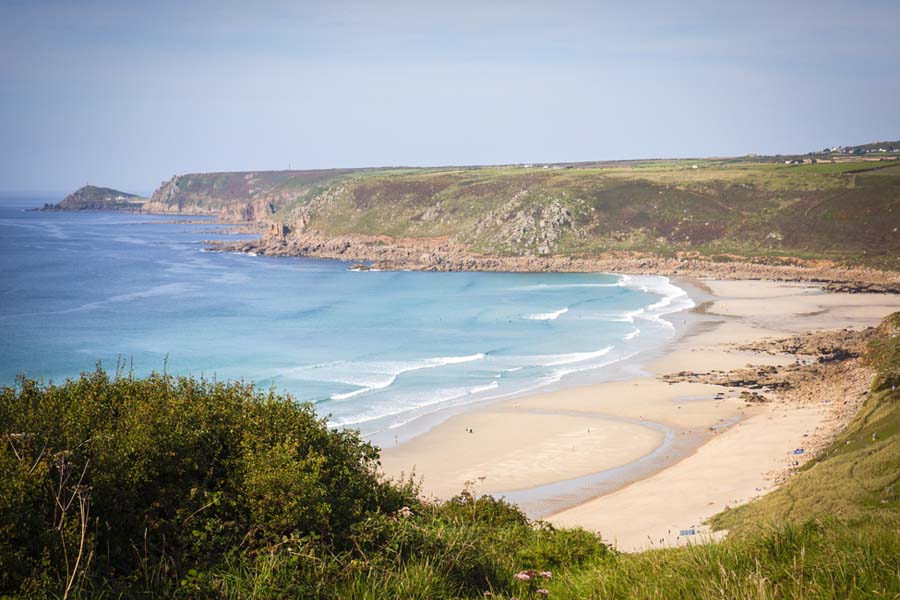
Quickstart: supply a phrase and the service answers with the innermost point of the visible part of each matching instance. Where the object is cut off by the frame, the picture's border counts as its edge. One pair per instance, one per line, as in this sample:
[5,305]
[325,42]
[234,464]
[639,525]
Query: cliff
[723,211]
[238,196]
[840,208]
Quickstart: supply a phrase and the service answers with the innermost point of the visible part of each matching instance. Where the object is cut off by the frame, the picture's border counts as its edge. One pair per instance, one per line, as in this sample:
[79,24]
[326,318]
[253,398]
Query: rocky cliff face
[167,197]
[728,212]
[177,196]
[529,229]
[240,196]
[92,197]
[232,197]
[203,194]
[442,254]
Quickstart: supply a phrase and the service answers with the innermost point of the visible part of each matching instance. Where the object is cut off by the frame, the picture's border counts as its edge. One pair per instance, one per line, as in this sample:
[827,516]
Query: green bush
[117,486]
[139,483]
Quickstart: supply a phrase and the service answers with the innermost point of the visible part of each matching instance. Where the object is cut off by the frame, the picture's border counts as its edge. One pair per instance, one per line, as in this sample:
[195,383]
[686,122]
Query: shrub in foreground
[138,483]
[120,486]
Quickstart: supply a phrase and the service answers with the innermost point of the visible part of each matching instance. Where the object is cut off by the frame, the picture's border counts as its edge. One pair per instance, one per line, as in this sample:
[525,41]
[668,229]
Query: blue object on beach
[798,451]
[687,532]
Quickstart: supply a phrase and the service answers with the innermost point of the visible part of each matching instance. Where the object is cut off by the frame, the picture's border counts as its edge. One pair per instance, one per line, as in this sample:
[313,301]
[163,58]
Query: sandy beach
[642,459]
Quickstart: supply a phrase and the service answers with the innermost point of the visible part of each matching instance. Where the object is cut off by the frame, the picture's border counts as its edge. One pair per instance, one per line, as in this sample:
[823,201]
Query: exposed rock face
[173,197]
[238,196]
[443,254]
[251,196]
[169,193]
[257,209]
[182,194]
[537,228]
[278,231]
[92,197]
[826,346]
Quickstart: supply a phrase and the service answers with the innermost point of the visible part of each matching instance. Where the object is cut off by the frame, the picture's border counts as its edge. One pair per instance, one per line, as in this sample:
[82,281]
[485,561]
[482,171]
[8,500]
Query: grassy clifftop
[848,212]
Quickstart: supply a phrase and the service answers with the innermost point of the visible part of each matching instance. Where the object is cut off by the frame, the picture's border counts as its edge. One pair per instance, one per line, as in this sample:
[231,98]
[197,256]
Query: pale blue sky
[127,94]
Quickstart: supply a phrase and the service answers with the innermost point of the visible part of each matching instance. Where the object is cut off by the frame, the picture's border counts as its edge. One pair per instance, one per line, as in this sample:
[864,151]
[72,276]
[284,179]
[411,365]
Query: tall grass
[818,559]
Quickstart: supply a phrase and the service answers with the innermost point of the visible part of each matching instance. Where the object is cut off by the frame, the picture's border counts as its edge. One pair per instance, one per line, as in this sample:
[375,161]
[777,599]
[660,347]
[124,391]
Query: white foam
[550,316]
[377,376]
[673,299]
[628,317]
[554,360]
[127,239]
[440,397]
[563,286]
[558,374]
[364,390]
[397,409]
[483,388]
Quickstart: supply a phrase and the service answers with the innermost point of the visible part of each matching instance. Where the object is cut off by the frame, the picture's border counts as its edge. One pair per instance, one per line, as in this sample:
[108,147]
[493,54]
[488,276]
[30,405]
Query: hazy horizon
[127,96]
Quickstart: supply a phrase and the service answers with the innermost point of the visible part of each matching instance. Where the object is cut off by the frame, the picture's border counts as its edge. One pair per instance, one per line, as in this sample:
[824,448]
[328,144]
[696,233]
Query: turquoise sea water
[375,350]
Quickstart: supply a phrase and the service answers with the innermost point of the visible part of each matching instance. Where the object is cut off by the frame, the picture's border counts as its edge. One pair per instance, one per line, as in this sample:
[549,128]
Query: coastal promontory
[91,197]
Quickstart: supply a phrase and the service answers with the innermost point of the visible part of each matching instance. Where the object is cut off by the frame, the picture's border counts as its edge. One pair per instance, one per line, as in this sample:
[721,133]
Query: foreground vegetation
[112,486]
[117,486]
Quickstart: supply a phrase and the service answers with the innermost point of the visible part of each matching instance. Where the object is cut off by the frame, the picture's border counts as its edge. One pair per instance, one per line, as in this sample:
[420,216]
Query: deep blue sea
[375,350]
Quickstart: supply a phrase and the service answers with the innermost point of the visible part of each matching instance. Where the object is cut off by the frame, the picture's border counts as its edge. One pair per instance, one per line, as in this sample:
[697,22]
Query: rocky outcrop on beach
[829,371]
[815,353]
[860,288]
[823,346]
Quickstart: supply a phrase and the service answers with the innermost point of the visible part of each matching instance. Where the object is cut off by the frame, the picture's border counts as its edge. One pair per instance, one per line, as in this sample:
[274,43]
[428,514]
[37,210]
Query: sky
[128,94]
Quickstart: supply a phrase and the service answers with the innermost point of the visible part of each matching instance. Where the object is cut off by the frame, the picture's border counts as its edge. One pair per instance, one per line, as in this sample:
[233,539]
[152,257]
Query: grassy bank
[113,486]
[846,212]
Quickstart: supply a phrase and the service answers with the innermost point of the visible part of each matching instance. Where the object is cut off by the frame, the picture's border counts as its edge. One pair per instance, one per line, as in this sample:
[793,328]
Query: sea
[377,351]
